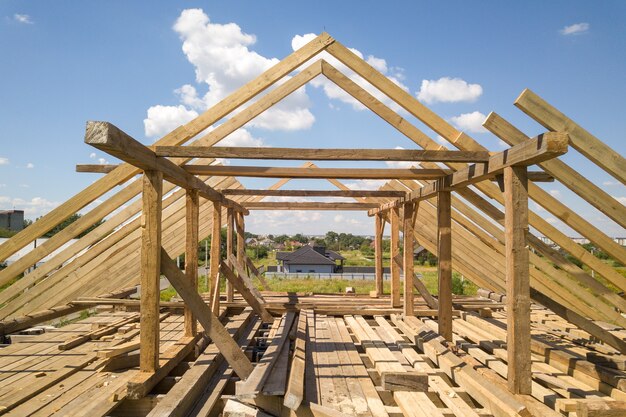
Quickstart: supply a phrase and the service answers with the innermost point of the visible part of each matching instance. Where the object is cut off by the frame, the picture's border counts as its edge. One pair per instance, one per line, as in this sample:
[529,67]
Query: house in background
[310,259]
[12,220]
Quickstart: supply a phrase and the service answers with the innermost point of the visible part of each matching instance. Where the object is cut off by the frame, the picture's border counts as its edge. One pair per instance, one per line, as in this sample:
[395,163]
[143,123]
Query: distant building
[310,259]
[12,220]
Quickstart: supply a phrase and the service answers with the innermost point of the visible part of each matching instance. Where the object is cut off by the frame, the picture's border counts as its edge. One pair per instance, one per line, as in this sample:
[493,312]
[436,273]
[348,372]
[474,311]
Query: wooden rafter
[307,206]
[319,173]
[322,154]
[313,193]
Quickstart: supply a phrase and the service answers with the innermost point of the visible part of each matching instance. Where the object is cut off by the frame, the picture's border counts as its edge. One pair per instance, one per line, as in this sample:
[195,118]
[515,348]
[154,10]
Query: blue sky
[64,63]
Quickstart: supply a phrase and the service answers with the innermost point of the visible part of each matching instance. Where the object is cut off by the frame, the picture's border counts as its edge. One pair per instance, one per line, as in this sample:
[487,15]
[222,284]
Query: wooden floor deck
[353,356]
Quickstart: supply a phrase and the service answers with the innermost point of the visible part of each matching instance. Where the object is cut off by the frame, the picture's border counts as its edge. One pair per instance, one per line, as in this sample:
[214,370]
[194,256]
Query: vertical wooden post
[408,267]
[215,256]
[192,207]
[394,252]
[150,270]
[378,256]
[394,215]
[517,280]
[444,263]
[229,249]
[241,237]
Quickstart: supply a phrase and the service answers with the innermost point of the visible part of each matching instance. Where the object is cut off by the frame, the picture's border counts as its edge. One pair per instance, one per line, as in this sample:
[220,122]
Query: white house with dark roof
[310,259]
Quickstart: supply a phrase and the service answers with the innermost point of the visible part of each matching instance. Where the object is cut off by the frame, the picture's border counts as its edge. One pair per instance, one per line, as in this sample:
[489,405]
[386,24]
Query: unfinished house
[544,336]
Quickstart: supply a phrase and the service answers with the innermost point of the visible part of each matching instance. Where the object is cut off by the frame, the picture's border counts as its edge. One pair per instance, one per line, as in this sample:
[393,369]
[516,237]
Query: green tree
[65,223]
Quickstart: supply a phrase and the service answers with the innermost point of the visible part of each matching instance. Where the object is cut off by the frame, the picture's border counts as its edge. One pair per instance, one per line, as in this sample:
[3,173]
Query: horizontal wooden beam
[307,154]
[314,193]
[290,205]
[112,140]
[316,173]
[538,149]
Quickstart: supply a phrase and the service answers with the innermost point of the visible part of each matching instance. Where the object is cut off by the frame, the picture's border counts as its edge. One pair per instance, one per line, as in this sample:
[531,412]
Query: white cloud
[610,183]
[551,220]
[30,165]
[35,207]
[3,185]
[23,18]
[241,137]
[575,29]
[224,62]
[470,122]
[365,184]
[4,161]
[92,155]
[103,161]
[448,90]
[334,92]
[555,193]
[164,119]
[339,218]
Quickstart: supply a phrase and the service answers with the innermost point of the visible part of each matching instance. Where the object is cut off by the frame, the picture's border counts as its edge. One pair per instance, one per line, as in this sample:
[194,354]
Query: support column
[378,256]
[215,257]
[192,207]
[408,266]
[150,270]
[241,238]
[394,254]
[517,280]
[444,263]
[229,249]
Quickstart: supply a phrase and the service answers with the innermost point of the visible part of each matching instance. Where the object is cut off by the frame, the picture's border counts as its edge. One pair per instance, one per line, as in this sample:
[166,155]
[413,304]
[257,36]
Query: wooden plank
[408,261]
[601,408]
[142,383]
[583,141]
[212,326]
[241,286]
[423,291]
[192,210]
[394,215]
[316,173]
[321,154]
[241,272]
[378,254]
[313,193]
[287,205]
[229,249]
[295,387]
[254,384]
[150,269]
[216,247]
[404,381]
[517,280]
[444,263]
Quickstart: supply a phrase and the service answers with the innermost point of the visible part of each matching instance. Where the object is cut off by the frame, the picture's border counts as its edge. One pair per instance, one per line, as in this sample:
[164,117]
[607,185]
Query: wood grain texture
[517,280]
[444,263]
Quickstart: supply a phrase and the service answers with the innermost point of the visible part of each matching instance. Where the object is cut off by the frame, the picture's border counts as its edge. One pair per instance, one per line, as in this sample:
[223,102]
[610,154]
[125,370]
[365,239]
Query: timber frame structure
[479,356]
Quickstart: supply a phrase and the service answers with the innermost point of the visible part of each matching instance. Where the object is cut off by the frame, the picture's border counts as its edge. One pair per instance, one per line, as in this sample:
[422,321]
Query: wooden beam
[408,265]
[314,193]
[192,209]
[295,387]
[580,139]
[150,270]
[541,148]
[108,138]
[316,173]
[517,280]
[378,253]
[444,263]
[246,292]
[216,246]
[394,253]
[211,324]
[229,250]
[416,155]
[241,237]
[284,205]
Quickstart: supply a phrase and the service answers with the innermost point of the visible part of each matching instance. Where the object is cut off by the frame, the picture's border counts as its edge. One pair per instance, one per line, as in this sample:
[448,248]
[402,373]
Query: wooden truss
[184,196]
